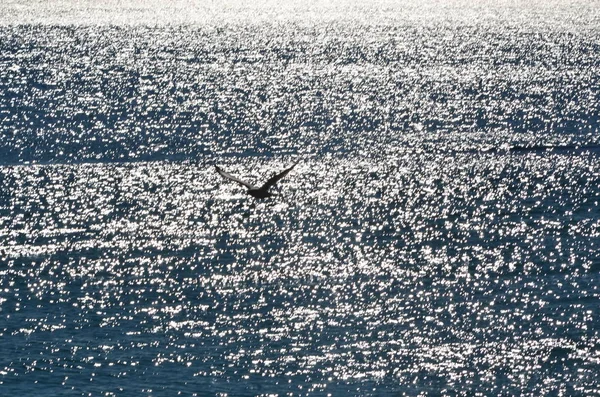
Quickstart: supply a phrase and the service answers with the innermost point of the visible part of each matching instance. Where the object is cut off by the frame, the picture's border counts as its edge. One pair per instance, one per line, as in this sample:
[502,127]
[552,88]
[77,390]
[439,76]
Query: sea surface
[440,235]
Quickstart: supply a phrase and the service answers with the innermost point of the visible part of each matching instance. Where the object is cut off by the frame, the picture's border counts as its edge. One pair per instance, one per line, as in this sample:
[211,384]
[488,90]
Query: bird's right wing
[233,178]
[275,178]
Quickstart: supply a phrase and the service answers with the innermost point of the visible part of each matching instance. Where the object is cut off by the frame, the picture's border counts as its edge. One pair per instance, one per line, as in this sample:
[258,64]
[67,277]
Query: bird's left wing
[233,178]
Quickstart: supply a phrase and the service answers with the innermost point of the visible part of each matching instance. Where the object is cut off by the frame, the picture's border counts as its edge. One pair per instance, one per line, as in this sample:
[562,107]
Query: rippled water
[439,236]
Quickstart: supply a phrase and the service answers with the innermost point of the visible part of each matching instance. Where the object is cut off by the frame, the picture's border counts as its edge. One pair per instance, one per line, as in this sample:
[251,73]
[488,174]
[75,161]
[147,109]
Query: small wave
[517,149]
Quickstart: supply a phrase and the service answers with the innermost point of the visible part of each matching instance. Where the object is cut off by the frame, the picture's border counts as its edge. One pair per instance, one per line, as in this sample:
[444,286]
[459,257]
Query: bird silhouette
[257,192]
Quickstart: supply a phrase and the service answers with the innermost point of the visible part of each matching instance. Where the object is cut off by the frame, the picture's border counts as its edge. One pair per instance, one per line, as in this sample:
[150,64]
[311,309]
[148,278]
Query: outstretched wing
[233,178]
[276,178]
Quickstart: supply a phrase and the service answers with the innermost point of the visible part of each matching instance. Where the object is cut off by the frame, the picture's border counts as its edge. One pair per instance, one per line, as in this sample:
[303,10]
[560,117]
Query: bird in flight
[254,191]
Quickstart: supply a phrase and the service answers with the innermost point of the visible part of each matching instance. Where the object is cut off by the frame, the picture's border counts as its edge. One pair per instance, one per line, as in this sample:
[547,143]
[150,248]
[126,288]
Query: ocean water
[439,236]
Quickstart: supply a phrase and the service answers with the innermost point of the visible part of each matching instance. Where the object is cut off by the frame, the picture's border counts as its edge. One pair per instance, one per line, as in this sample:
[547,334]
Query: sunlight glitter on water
[280,277]
[439,234]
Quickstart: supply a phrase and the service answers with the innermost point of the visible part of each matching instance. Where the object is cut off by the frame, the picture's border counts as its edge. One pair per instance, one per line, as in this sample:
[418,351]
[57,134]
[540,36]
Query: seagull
[254,191]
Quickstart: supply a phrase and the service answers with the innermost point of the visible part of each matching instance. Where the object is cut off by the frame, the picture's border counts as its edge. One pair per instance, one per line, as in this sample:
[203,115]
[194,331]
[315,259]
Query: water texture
[439,236]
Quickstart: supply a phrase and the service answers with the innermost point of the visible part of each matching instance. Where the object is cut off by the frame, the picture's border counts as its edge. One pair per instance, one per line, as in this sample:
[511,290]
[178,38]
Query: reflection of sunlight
[434,235]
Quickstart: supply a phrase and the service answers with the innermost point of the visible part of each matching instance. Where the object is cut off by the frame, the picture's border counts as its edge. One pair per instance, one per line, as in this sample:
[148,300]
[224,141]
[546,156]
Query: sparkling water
[440,234]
